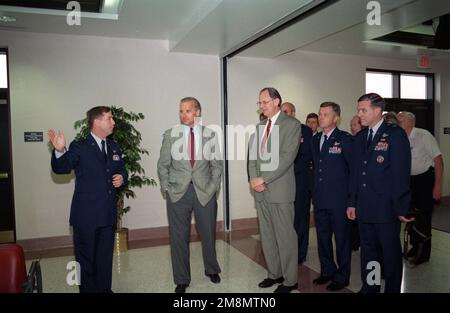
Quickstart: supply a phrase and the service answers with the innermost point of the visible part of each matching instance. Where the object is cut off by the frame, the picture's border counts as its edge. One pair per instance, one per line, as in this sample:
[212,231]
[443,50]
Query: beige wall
[307,79]
[55,79]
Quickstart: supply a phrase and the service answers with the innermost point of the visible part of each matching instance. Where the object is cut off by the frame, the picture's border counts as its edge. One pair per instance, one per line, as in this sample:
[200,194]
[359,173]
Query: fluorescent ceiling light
[111,6]
[109,11]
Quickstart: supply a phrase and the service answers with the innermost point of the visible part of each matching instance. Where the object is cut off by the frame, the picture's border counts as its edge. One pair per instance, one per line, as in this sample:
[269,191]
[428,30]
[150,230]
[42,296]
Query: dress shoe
[181,288]
[301,260]
[420,260]
[269,282]
[335,286]
[322,280]
[411,253]
[215,278]
[285,289]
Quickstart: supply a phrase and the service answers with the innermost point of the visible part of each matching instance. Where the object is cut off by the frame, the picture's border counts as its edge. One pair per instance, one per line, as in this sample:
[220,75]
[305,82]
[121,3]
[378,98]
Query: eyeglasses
[259,103]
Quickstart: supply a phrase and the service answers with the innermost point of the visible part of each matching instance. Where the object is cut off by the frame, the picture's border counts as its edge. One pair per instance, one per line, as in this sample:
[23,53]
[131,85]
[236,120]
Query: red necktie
[192,147]
[266,135]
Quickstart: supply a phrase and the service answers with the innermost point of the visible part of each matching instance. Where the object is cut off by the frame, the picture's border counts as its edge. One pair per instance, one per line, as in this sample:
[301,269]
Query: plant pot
[121,241]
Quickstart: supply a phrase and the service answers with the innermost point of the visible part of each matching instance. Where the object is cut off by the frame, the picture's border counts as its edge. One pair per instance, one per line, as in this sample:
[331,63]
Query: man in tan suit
[189,170]
[272,179]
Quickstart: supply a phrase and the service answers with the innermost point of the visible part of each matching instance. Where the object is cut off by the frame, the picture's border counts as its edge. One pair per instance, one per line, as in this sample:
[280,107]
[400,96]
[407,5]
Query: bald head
[355,125]
[288,108]
[407,121]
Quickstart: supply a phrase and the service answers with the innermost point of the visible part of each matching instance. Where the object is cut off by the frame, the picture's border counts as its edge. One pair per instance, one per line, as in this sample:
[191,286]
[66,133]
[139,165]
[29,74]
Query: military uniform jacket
[94,198]
[332,170]
[380,186]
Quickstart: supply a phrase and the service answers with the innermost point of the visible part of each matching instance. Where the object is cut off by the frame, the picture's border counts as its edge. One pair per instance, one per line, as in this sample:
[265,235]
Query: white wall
[307,79]
[55,79]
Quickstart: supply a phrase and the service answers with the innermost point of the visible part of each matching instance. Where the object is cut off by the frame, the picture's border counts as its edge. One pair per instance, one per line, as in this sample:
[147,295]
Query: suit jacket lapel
[181,136]
[376,137]
[278,122]
[332,139]
[199,147]
[316,143]
[110,151]
[94,146]
[326,144]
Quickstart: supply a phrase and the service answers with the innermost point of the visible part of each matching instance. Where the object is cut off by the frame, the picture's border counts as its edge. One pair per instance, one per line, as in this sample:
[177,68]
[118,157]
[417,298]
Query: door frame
[6,92]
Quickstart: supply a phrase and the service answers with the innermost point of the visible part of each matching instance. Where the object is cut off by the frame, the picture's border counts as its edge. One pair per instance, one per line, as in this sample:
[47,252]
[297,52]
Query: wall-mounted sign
[33,136]
[423,61]
[446,130]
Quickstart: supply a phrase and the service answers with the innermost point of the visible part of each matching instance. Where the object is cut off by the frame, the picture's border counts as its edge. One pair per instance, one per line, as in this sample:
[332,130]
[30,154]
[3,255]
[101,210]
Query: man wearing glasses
[271,168]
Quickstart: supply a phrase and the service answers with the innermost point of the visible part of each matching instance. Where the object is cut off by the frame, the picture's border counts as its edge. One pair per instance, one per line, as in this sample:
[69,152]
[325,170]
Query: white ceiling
[342,28]
[357,39]
[218,26]
[197,26]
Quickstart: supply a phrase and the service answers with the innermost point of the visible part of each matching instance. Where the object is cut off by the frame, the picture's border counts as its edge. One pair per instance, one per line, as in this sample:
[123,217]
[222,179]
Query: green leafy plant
[129,140]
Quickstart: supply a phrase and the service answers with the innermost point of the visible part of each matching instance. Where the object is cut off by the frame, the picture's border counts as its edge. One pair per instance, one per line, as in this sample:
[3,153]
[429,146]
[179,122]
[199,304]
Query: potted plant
[129,140]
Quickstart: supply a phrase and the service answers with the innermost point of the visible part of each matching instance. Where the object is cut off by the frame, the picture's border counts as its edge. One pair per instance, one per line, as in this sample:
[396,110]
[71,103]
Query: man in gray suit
[272,179]
[189,170]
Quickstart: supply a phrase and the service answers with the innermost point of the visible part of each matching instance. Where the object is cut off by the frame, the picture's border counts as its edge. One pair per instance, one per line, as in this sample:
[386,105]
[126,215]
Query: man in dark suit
[332,153]
[302,202]
[380,194]
[99,170]
[312,121]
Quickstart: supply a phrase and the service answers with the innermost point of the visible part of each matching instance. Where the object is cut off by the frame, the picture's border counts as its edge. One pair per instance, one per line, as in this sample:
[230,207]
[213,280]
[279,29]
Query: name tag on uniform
[335,150]
[381,146]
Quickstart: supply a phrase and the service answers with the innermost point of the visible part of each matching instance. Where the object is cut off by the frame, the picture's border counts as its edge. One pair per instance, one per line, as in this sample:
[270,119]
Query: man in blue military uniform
[99,170]
[380,194]
[302,202]
[332,153]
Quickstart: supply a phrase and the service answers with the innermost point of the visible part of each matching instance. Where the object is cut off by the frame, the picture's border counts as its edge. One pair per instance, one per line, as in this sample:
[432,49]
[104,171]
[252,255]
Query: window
[413,86]
[3,72]
[381,83]
[400,85]
[405,91]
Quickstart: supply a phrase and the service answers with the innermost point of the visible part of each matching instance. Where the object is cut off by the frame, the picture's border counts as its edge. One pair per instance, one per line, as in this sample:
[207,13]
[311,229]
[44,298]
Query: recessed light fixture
[111,6]
[7,19]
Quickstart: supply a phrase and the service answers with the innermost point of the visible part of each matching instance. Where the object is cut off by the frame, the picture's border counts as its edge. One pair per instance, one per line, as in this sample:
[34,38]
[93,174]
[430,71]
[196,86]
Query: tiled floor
[149,269]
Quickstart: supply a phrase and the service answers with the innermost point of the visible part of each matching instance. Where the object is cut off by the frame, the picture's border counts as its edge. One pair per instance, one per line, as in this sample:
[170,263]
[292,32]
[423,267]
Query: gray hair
[291,105]
[336,108]
[409,116]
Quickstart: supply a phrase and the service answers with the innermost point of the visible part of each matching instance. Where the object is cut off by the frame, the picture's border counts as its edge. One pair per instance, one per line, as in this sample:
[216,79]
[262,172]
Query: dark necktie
[369,140]
[192,146]
[266,136]
[104,151]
